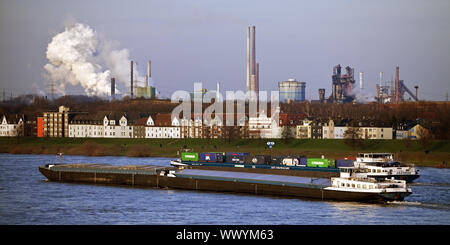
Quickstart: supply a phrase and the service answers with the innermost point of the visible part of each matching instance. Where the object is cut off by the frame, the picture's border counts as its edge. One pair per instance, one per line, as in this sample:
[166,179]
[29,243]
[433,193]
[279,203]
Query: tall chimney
[257,80]
[253,76]
[361,74]
[322,94]
[417,92]
[113,87]
[131,79]
[397,84]
[149,71]
[218,92]
[381,77]
[248,60]
[253,52]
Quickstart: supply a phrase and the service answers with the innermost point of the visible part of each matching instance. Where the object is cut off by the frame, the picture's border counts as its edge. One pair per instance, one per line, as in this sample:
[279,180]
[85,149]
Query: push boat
[382,165]
[356,181]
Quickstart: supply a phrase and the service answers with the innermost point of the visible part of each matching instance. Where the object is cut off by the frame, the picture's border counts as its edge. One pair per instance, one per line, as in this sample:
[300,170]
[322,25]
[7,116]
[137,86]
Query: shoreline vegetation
[434,154]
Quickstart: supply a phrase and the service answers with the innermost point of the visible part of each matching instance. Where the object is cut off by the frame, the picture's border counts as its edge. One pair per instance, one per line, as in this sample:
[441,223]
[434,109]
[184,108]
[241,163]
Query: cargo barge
[378,165]
[344,188]
[264,164]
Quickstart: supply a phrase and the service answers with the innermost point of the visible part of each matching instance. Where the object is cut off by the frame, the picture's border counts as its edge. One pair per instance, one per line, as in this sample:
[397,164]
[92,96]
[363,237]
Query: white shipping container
[291,161]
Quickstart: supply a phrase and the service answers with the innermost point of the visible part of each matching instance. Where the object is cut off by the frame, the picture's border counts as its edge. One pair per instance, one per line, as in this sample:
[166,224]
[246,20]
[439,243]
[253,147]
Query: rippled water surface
[26,198]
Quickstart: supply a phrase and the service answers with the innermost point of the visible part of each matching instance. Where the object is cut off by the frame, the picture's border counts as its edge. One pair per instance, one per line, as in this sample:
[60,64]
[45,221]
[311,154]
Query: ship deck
[108,168]
[270,179]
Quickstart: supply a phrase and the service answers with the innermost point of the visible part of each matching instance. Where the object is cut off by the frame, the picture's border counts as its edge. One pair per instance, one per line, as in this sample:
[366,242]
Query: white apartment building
[11,127]
[117,127]
[163,127]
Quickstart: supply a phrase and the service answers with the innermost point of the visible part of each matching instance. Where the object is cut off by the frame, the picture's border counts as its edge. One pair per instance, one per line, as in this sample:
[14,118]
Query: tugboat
[382,165]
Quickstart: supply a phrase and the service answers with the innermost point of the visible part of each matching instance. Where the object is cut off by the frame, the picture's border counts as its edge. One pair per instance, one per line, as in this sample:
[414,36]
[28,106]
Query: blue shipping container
[303,161]
[344,163]
[236,157]
[207,157]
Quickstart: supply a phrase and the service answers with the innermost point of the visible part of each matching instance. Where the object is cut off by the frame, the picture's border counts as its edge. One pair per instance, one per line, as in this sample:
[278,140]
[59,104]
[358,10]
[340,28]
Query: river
[26,198]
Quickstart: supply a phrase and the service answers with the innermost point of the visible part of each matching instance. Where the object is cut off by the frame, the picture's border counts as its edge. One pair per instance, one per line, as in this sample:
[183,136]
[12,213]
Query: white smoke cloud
[75,57]
[362,96]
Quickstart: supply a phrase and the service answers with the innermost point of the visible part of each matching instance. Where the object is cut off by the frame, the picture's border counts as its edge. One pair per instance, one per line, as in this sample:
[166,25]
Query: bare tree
[352,137]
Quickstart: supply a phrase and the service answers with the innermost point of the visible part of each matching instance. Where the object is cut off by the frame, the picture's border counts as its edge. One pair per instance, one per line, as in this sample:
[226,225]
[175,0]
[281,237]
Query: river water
[27,198]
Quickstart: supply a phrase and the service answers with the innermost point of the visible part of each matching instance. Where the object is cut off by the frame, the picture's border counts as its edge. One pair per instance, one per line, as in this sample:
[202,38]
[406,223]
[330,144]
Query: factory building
[147,91]
[291,90]
[342,85]
[395,92]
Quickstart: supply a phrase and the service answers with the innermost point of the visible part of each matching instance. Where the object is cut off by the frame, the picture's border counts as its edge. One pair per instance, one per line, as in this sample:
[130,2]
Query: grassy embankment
[432,155]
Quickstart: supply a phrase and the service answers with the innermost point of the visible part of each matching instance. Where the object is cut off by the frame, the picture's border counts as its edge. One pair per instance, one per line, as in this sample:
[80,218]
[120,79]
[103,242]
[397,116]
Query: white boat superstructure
[382,165]
[354,180]
[364,158]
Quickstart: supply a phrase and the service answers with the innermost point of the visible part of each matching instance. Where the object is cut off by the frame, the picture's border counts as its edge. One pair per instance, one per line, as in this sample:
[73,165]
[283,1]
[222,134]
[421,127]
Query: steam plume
[75,57]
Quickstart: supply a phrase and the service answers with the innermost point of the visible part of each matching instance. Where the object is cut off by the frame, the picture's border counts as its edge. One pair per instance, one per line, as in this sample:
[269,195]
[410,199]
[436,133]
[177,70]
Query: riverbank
[433,155]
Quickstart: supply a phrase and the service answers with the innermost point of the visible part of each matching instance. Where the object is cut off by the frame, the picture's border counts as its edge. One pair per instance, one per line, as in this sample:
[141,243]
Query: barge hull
[202,184]
[301,173]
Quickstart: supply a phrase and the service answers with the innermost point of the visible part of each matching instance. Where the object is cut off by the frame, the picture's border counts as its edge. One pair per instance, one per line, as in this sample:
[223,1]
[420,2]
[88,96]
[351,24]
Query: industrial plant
[147,91]
[392,92]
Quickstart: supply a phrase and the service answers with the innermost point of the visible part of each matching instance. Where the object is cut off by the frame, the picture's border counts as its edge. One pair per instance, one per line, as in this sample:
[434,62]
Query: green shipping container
[317,162]
[331,163]
[189,156]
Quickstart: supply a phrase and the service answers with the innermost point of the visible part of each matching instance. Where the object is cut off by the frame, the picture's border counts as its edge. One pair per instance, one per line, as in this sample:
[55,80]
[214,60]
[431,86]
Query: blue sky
[205,41]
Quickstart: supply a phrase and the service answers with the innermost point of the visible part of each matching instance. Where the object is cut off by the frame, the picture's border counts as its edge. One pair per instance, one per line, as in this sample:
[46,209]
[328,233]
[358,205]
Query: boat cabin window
[378,171]
[343,185]
[353,185]
[348,185]
[359,186]
[364,186]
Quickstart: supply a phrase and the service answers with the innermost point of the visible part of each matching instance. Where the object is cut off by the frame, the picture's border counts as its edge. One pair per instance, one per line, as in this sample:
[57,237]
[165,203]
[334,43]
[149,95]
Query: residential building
[303,130]
[116,126]
[328,130]
[340,127]
[375,130]
[11,126]
[260,126]
[163,127]
[86,126]
[56,123]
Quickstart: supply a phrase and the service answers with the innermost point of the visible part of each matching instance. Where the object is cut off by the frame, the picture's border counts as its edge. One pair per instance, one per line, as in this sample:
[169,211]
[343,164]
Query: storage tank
[291,90]
[189,156]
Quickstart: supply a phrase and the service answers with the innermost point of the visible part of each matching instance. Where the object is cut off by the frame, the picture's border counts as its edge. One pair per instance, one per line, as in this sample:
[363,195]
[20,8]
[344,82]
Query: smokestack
[248,60]
[417,92]
[321,94]
[131,79]
[361,74]
[218,92]
[257,80]
[381,77]
[149,71]
[113,87]
[253,53]
[397,84]
[378,96]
